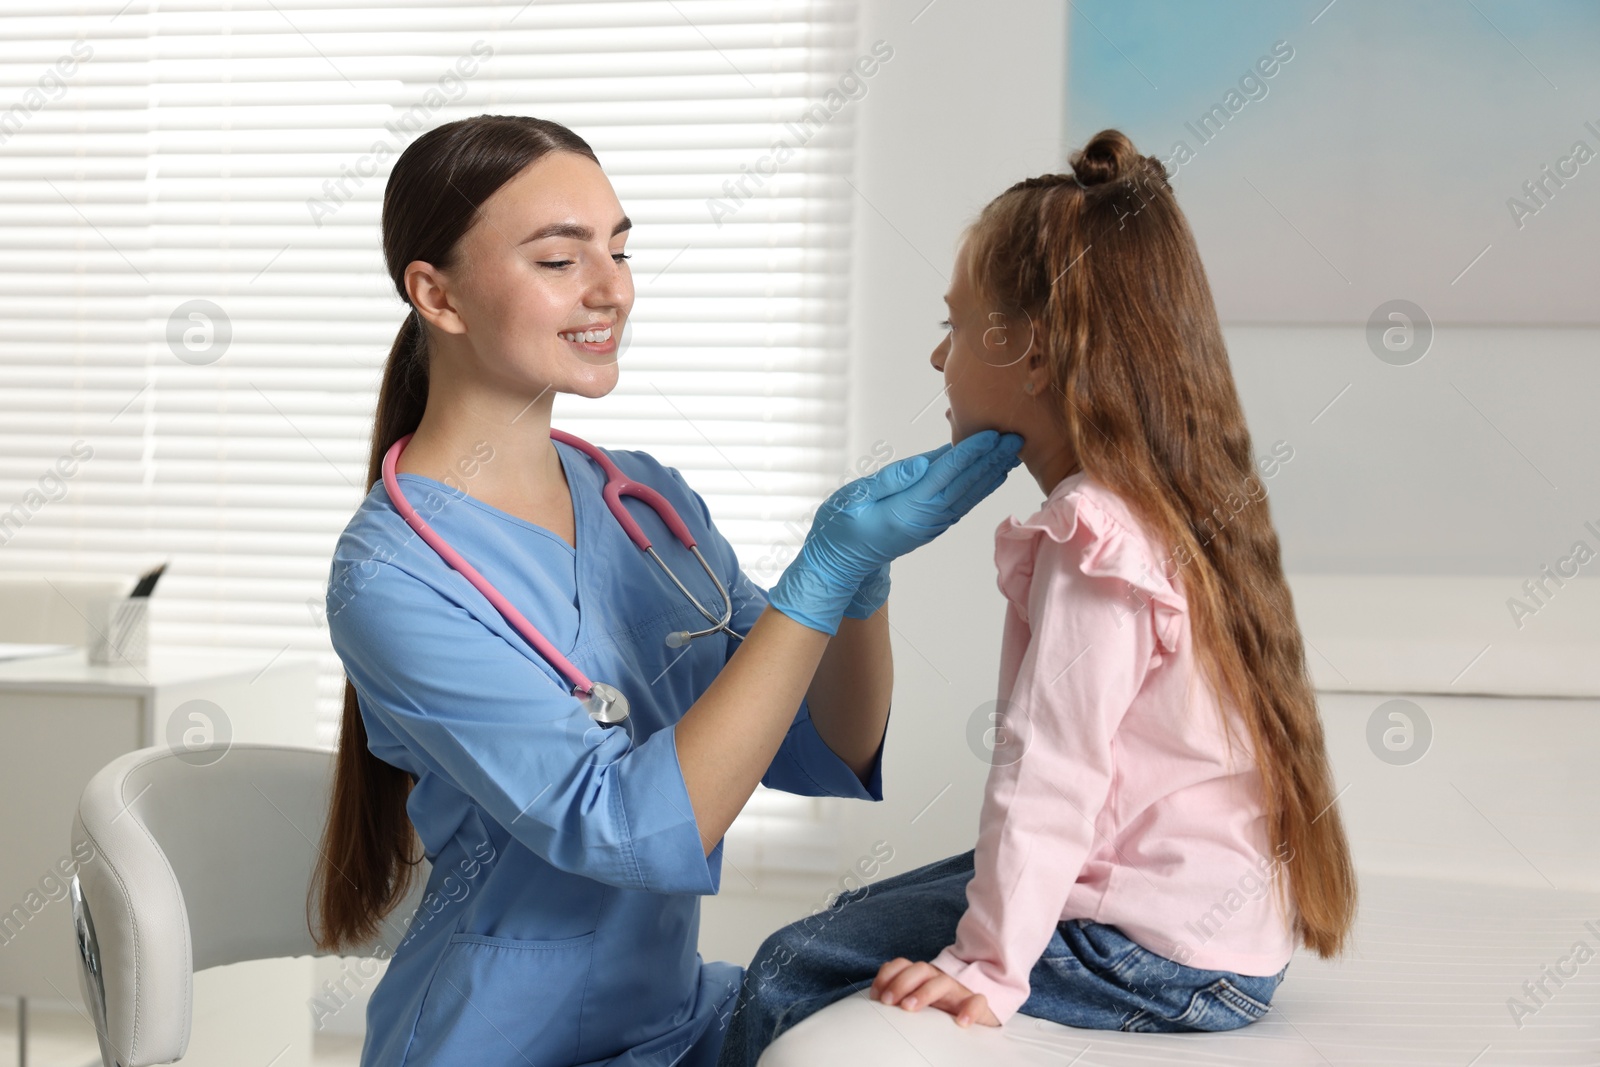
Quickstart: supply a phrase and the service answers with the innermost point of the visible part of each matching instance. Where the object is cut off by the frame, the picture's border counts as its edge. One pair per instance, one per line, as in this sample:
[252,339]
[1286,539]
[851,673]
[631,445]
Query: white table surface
[72,671]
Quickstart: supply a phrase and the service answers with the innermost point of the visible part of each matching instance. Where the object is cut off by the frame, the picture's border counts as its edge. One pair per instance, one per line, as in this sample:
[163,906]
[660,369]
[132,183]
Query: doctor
[560,919]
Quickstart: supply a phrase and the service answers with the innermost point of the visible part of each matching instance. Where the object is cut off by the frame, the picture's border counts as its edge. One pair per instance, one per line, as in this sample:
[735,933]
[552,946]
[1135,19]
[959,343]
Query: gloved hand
[870,596]
[869,521]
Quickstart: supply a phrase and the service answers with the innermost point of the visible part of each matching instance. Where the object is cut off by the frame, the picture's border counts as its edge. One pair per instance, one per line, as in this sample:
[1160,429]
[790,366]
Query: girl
[1130,829]
[560,919]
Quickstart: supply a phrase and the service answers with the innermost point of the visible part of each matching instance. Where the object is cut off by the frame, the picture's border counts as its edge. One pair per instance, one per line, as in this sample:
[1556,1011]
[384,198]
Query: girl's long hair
[1103,264]
[369,848]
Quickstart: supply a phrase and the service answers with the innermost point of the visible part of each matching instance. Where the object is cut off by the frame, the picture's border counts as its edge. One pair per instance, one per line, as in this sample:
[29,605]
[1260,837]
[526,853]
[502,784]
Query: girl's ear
[1037,380]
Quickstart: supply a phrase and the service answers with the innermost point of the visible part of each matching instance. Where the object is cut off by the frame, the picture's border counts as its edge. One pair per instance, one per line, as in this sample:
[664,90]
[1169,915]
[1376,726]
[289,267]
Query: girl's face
[984,357]
[543,265]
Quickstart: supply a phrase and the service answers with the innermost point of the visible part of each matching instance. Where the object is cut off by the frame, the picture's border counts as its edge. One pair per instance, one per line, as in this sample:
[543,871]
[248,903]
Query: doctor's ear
[430,296]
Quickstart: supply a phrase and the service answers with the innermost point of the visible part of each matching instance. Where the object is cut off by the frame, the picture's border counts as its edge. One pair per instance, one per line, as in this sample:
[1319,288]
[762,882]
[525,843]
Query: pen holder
[120,634]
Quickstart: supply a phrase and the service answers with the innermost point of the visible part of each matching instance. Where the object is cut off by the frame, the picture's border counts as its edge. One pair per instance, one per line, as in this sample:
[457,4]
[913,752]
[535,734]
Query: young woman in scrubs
[561,914]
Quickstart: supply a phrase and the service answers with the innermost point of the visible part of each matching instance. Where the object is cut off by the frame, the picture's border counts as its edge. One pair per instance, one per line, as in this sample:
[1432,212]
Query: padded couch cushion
[1432,978]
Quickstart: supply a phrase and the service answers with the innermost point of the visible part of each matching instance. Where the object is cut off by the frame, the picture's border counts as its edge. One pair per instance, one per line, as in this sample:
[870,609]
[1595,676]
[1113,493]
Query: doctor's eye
[945,324]
[562,264]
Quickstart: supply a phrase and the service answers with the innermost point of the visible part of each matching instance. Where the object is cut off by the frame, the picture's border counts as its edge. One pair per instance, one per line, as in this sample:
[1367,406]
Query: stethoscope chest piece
[606,704]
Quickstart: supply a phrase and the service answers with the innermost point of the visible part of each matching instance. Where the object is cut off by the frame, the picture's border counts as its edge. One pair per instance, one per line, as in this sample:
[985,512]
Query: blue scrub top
[561,917]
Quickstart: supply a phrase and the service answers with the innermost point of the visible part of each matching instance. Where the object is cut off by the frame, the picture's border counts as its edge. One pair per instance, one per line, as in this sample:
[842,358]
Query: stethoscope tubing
[617,486]
[508,610]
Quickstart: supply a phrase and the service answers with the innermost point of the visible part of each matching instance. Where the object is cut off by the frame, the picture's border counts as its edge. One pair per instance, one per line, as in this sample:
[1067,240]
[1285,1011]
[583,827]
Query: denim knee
[781,948]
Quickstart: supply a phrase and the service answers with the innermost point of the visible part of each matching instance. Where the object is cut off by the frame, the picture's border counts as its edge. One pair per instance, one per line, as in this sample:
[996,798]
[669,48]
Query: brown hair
[1135,355]
[369,848]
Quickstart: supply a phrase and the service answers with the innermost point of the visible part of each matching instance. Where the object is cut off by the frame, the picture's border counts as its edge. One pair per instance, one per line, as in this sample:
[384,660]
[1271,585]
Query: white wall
[1478,459]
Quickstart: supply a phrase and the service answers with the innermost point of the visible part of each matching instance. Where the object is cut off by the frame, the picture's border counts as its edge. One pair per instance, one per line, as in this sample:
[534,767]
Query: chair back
[193,859]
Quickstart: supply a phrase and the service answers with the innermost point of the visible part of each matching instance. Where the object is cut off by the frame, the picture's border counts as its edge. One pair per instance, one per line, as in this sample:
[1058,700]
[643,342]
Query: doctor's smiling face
[541,289]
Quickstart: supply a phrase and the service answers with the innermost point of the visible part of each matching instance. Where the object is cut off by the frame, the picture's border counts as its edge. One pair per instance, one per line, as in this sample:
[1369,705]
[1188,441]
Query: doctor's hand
[914,985]
[872,520]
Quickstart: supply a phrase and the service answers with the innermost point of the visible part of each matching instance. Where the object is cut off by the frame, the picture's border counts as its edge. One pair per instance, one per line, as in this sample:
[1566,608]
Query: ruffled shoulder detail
[1114,551]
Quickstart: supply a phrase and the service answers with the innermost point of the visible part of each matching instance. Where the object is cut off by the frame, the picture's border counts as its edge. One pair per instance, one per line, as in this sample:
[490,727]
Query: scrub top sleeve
[483,716]
[804,764]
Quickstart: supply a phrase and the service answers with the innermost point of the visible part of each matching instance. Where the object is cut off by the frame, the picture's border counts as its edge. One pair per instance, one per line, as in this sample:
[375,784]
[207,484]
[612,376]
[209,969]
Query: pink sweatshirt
[1110,796]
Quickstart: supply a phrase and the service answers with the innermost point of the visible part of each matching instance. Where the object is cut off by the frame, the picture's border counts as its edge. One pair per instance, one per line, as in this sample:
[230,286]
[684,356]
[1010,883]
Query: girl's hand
[913,985]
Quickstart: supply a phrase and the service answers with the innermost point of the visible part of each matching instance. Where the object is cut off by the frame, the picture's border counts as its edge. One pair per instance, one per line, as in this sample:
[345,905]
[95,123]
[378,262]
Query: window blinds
[194,290]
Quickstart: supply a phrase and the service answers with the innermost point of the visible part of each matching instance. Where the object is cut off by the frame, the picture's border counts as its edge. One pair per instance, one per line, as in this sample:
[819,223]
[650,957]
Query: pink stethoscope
[604,703]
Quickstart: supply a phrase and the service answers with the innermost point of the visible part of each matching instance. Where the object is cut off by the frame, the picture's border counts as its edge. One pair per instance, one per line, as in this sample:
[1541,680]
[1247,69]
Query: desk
[62,719]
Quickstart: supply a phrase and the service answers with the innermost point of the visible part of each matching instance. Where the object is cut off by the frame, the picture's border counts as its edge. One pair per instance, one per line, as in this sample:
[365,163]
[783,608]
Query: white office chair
[196,864]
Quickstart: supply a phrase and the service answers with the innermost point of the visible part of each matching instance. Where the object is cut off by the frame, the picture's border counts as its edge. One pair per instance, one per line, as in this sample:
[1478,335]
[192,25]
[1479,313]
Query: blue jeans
[1089,976]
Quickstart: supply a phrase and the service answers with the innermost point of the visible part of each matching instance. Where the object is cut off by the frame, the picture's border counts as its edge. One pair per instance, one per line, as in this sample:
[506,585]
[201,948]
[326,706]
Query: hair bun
[1110,156]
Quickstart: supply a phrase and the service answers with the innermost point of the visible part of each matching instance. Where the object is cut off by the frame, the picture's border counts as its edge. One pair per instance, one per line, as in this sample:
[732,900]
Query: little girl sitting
[1142,863]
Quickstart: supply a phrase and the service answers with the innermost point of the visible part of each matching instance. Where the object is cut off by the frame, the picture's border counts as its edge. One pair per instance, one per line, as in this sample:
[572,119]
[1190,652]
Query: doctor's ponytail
[369,850]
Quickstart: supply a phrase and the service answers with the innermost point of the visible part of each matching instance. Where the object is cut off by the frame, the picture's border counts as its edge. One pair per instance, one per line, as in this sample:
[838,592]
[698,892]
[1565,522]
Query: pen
[147,581]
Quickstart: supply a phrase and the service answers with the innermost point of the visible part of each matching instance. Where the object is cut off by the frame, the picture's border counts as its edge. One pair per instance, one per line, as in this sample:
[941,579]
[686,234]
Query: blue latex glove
[870,521]
[871,596]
